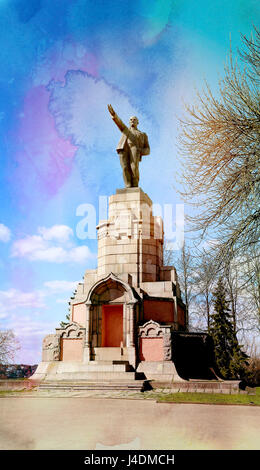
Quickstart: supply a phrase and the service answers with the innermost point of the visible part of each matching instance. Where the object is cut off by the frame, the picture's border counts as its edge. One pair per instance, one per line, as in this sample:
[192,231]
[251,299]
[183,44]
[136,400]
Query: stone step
[136,385]
[93,371]
[106,366]
[106,362]
[95,375]
[109,354]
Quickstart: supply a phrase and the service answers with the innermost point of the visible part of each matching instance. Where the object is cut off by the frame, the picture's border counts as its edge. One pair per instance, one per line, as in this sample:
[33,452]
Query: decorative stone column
[94,325]
[125,325]
[131,333]
[87,344]
[131,310]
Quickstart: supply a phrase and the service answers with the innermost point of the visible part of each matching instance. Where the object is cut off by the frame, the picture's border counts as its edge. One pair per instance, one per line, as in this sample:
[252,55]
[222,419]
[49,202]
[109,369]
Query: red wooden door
[112,325]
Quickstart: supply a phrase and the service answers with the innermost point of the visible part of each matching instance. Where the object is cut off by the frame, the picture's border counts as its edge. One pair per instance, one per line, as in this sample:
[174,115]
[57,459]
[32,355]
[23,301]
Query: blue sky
[62,62]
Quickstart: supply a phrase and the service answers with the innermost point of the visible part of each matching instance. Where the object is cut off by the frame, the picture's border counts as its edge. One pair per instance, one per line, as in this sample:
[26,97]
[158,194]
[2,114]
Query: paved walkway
[84,423]
[82,393]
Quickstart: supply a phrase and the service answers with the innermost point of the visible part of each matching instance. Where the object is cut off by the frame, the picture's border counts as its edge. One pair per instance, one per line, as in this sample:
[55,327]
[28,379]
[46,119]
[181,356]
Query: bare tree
[231,277]
[184,265]
[9,345]
[219,146]
[240,292]
[251,56]
[203,282]
[254,363]
[250,273]
[168,257]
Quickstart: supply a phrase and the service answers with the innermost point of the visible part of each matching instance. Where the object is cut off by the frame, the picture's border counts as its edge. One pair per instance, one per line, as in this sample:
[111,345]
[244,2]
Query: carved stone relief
[51,348]
[152,329]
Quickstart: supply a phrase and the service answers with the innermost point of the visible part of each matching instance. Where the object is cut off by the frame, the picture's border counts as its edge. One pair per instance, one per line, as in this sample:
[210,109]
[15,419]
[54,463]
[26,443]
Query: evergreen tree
[230,358]
[64,324]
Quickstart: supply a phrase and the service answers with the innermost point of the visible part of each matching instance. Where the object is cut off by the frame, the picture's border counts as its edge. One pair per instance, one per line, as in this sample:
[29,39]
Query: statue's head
[133,122]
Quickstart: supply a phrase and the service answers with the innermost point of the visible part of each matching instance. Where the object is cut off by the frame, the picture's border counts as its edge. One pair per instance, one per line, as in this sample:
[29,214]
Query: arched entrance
[111,315]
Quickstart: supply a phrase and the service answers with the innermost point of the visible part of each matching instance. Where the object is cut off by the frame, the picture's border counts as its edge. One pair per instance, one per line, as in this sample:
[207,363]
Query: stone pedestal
[122,316]
[130,242]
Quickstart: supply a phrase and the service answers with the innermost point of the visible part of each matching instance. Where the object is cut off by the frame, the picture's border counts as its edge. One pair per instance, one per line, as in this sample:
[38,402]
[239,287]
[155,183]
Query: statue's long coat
[132,137]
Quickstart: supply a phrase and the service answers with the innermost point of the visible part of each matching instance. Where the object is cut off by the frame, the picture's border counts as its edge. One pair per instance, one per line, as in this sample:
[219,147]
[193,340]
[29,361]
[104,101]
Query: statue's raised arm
[131,147]
[116,118]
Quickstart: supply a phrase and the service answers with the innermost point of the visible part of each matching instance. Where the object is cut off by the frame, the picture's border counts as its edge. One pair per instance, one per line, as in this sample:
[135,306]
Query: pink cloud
[44,160]
[65,55]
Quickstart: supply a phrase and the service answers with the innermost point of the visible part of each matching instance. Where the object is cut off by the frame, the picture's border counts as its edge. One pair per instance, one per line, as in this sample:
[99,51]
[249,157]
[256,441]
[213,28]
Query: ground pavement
[122,420]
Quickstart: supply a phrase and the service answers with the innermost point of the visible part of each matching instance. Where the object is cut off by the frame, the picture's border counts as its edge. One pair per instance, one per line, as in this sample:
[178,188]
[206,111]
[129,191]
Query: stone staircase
[136,386]
[95,375]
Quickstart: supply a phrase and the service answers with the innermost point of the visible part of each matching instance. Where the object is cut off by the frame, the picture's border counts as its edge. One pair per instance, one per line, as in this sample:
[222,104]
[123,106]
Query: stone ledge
[211,386]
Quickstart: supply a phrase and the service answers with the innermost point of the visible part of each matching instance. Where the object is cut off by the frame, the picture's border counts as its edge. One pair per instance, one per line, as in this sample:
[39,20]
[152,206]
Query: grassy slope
[214,398]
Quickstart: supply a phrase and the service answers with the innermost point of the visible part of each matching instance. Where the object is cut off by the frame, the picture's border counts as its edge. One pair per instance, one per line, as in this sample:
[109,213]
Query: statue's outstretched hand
[121,126]
[111,110]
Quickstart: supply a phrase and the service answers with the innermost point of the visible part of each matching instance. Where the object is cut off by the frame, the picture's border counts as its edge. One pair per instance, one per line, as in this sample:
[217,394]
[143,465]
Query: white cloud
[5,233]
[3,316]
[52,244]
[28,246]
[61,286]
[25,327]
[62,301]
[80,253]
[80,110]
[32,329]
[60,233]
[13,299]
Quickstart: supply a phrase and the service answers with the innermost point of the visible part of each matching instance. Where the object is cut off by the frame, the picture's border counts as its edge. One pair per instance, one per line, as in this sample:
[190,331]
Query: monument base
[159,371]
[93,371]
[127,319]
